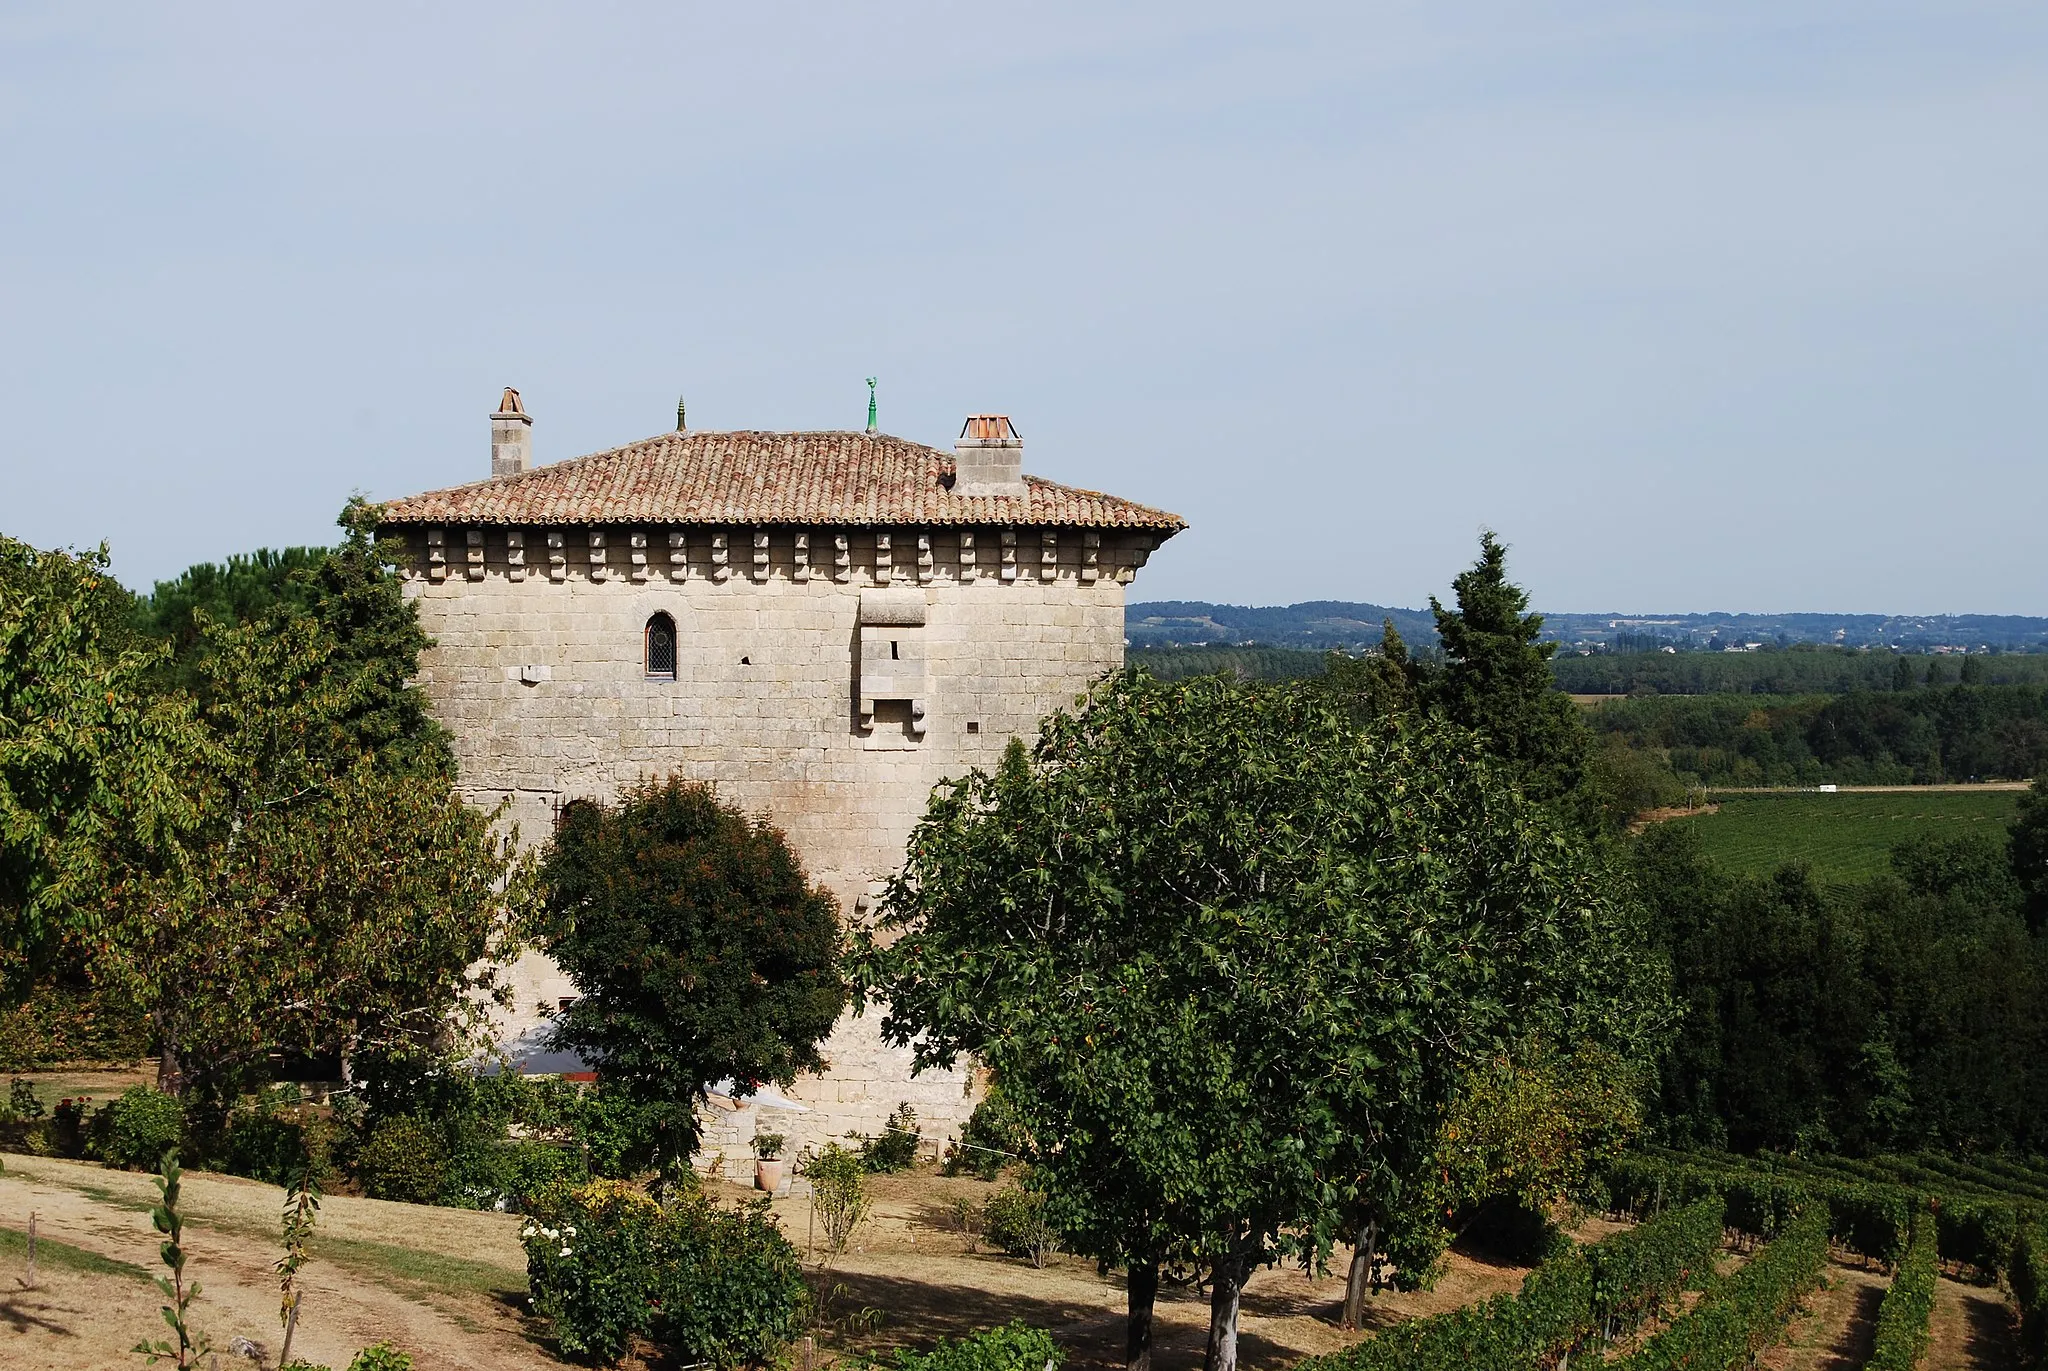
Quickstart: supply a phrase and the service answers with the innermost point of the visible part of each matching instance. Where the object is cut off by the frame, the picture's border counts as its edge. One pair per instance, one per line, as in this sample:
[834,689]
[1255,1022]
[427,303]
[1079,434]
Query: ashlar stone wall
[538,671]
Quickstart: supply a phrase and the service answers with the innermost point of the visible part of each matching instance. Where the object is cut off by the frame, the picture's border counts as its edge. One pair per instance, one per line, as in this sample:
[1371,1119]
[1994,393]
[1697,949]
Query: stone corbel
[803,558]
[1049,556]
[678,555]
[1091,556]
[925,566]
[1009,554]
[638,543]
[885,559]
[842,558]
[558,556]
[599,569]
[760,554]
[515,554]
[967,567]
[437,554]
[720,566]
[473,553]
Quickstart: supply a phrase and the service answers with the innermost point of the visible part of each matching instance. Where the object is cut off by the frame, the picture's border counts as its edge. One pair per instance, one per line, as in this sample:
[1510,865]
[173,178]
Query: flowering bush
[590,1257]
[604,1263]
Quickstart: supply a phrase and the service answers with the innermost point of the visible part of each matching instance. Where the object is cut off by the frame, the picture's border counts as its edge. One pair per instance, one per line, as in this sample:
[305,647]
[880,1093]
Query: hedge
[1747,1312]
[1563,1305]
[2028,1276]
[1902,1318]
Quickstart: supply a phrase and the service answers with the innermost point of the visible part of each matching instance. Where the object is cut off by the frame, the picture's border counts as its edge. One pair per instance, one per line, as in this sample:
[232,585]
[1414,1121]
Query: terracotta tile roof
[763,478]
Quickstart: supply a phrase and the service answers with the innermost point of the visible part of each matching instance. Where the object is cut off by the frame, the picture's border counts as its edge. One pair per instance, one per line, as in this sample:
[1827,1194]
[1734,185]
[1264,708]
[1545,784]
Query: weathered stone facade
[827,674]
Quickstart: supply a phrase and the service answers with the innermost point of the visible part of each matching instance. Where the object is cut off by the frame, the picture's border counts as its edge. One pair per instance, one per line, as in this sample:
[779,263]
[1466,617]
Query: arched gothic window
[661,648]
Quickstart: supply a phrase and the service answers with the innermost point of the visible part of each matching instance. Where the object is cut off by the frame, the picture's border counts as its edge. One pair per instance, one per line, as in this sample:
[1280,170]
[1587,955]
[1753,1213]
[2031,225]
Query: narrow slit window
[661,648]
[894,655]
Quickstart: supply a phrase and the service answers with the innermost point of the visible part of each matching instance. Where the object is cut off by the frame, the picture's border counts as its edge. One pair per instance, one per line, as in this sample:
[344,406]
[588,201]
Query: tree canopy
[700,950]
[1230,954]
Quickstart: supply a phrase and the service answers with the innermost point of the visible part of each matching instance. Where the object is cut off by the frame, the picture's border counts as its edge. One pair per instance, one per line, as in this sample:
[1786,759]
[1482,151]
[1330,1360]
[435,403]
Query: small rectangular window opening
[893,654]
[974,725]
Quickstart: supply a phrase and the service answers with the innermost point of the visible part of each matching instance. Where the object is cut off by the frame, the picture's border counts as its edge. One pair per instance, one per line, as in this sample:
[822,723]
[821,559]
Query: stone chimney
[511,436]
[989,457]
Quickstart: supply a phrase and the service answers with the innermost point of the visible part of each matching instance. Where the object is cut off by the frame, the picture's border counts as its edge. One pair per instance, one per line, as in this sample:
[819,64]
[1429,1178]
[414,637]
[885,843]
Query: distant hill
[1324,624]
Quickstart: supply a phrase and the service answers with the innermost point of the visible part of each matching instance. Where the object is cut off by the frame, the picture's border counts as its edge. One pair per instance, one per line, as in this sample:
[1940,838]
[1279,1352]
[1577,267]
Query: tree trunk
[1143,1285]
[170,1078]
[1226,1286]
[1361,1276]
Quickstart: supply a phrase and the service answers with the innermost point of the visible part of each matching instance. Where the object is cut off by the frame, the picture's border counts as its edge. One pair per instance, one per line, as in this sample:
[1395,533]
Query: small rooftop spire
[871,404]
[682,421]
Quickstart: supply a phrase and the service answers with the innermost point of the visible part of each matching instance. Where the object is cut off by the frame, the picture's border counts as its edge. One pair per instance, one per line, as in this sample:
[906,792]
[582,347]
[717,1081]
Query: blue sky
[1702,306]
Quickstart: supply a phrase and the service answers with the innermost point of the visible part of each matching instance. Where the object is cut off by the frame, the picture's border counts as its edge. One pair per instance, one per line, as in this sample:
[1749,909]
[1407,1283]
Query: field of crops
[1842,837]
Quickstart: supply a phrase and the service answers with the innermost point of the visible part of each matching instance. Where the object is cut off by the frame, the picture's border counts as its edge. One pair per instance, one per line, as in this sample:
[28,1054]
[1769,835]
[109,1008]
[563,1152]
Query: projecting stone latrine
[820,625]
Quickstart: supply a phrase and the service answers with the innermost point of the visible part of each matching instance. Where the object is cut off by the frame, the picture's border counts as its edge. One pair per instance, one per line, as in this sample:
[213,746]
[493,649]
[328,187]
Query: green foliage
[23,1105]
[1901,1338]
[1249,663]
[139,1127]
[330,891]
[1581,1295]
[2028,1276]
[1013,1347]
[381,1356]
[89,755]
[1844,837]
[275,1142]
[170,1221]
[591,1259]
[839,1193]
[1014,1219]
[992,1138]
[248,588]
[1952,733]
[1496,681]
[700,949]
[402,1159]
[729,1287]
[65,1019]
[2029,851]
[895,1148]
[301,1215]
[1803,669]
[1909,1010]
[605,1263]
[507,1174]
[1746,1313]
[1224,946]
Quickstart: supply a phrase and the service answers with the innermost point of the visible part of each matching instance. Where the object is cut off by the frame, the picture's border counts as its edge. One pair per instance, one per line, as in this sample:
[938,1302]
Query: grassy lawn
[1842,837]
[51,1253]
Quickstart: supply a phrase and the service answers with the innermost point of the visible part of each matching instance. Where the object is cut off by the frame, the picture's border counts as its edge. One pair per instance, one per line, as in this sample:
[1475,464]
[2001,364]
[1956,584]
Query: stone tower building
[820,625]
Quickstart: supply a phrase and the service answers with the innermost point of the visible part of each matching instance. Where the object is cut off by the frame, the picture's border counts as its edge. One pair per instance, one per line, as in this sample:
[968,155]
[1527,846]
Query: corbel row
[922,564]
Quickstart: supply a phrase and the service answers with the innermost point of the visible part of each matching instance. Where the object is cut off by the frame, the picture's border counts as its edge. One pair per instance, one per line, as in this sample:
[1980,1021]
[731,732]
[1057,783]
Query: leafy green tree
[1383,684]
[1496,681]
[700,950]
[1229,956]
[2029,851]
[246,588]
[88,754]
[328,890]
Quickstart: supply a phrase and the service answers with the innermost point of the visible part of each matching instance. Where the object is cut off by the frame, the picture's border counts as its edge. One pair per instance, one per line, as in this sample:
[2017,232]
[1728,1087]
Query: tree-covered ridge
[1895,737]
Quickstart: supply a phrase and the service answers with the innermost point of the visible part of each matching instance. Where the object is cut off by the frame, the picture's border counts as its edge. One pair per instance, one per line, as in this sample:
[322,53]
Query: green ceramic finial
[871,404]
[681,422]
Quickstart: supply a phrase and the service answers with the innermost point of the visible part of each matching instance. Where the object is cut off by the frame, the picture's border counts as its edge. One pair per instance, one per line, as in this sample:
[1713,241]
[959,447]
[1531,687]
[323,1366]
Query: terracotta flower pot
[768,1176]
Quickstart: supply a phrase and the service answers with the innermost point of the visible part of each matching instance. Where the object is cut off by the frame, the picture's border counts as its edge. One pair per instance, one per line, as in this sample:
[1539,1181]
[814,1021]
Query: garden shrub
[401,1159]
[839,1193]
[1016,1222]
[604,1263]
[992,1138]
[381,1356]
[590,1265]
[1013,1347]
[136,1129]
[507,1175]
[2028,1275]
[896,1148]
[729,1288]
[278,1145]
